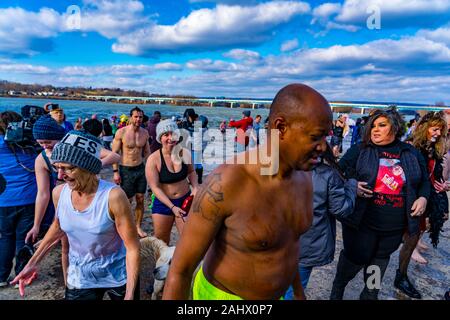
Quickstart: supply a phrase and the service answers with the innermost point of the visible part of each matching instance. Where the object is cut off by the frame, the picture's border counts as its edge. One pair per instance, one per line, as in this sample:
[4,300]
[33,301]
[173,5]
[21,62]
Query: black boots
[346,271]
[372,294]
[403,284]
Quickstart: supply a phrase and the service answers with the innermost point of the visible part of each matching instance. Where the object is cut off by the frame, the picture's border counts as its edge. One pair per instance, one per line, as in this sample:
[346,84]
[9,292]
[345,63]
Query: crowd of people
[387,190]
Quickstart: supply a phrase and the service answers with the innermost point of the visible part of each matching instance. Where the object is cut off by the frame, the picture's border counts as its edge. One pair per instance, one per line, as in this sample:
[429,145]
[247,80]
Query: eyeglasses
[68,170]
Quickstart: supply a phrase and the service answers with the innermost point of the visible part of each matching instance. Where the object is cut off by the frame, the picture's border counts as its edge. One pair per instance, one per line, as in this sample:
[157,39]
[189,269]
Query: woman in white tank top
[96,217]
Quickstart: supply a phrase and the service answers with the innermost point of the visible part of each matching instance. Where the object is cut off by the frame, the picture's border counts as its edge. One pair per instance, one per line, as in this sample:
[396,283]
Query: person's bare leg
[139,211]
[162,226]
[65,257]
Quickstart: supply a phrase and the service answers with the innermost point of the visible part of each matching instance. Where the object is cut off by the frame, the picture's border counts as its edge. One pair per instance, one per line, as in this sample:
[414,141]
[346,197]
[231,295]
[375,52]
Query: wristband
[116,170]
[172,207]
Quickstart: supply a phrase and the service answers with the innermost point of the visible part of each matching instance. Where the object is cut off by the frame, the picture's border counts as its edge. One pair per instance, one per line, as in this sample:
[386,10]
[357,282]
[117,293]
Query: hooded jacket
[333,199]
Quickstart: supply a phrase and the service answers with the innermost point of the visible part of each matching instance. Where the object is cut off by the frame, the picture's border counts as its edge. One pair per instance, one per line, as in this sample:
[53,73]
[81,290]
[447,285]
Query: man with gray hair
[96,217]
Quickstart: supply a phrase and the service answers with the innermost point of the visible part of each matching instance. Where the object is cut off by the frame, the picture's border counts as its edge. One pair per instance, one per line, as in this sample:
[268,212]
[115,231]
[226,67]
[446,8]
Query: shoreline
[127,101]
[346,107]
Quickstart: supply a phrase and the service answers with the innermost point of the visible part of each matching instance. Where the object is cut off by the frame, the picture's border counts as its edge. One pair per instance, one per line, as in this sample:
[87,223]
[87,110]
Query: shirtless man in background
[132,142]
[251,248]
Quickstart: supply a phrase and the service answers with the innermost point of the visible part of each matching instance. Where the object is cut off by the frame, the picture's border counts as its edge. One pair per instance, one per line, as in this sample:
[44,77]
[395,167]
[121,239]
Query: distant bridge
[258,103]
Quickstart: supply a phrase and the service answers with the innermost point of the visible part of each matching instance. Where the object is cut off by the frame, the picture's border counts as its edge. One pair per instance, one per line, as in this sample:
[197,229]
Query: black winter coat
[361,162]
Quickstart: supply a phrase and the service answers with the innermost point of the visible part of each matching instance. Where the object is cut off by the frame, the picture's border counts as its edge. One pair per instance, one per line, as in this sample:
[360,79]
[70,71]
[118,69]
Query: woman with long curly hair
[430,139]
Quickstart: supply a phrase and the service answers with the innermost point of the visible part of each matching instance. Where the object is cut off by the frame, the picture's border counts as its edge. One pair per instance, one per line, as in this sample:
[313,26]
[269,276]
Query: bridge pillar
[362,110]
[211,104]
[253,105]
[231,105]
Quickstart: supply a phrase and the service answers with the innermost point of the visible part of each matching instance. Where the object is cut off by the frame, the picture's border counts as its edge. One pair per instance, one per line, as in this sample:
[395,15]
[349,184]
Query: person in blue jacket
[18,191]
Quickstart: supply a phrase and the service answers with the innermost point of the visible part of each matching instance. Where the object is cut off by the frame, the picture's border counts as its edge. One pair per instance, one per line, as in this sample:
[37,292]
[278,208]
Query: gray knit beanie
[80,149]
[165,126]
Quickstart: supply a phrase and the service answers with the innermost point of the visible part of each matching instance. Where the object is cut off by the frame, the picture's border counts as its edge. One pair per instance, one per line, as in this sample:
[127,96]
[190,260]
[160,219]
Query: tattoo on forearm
[212,193]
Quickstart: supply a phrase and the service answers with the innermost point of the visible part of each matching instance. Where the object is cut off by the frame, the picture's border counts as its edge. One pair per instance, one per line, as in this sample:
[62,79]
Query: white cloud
[289,45]
[212,28]
[355,11]
[168,66]
[24,68]
[112,18]
[209,65]
[326,10]
[25,33]
[241,54]
[438,35]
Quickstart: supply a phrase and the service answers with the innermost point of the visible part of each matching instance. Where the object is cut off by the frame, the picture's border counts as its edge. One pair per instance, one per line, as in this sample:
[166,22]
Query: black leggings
[365,244]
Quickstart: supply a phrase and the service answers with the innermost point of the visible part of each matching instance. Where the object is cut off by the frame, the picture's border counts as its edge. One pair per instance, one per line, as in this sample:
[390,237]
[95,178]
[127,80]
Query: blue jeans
[305,273]
[15,222]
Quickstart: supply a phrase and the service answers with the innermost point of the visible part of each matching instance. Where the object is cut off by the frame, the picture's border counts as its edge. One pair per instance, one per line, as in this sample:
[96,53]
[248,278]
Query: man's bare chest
[132,140]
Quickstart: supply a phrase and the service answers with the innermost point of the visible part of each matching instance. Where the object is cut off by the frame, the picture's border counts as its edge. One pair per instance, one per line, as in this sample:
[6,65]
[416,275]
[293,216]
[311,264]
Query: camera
[21,132]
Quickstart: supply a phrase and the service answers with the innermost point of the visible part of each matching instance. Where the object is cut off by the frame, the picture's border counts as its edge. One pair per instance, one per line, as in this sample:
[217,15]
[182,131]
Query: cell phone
[186,206]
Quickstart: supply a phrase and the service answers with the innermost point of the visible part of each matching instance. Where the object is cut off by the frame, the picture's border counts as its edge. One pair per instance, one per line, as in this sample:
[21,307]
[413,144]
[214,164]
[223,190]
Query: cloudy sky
[233,48]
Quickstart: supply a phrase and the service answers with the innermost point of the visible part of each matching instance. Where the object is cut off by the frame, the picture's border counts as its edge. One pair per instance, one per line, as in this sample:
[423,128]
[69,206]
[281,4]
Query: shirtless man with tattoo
[246,225]
[132,142]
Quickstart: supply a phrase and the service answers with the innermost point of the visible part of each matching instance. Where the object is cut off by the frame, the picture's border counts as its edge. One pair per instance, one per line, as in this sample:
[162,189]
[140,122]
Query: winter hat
[80,149]
[46,128]
[246,113]
[165,126]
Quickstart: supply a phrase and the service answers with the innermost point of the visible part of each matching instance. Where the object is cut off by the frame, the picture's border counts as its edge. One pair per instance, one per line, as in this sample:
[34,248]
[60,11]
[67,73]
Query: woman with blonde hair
[430,139]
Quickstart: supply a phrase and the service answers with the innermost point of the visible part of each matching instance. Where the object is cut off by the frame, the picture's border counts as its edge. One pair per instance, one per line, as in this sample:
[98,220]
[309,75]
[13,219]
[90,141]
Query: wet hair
[7,117]
[394,118]
[93,126]
[137,109]
[145,118]
[420,135]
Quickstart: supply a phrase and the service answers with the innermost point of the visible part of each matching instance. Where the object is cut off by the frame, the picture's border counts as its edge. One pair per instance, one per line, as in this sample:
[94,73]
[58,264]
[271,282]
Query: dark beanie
[46,128]
[246,113]
[80,149]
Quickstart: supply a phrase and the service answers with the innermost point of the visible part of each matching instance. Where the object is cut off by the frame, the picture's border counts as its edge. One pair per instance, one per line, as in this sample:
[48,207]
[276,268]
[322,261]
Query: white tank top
[96,253]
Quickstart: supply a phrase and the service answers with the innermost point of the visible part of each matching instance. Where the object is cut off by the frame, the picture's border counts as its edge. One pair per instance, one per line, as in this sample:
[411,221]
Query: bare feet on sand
[141,233]
[416,256]
[421,246]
